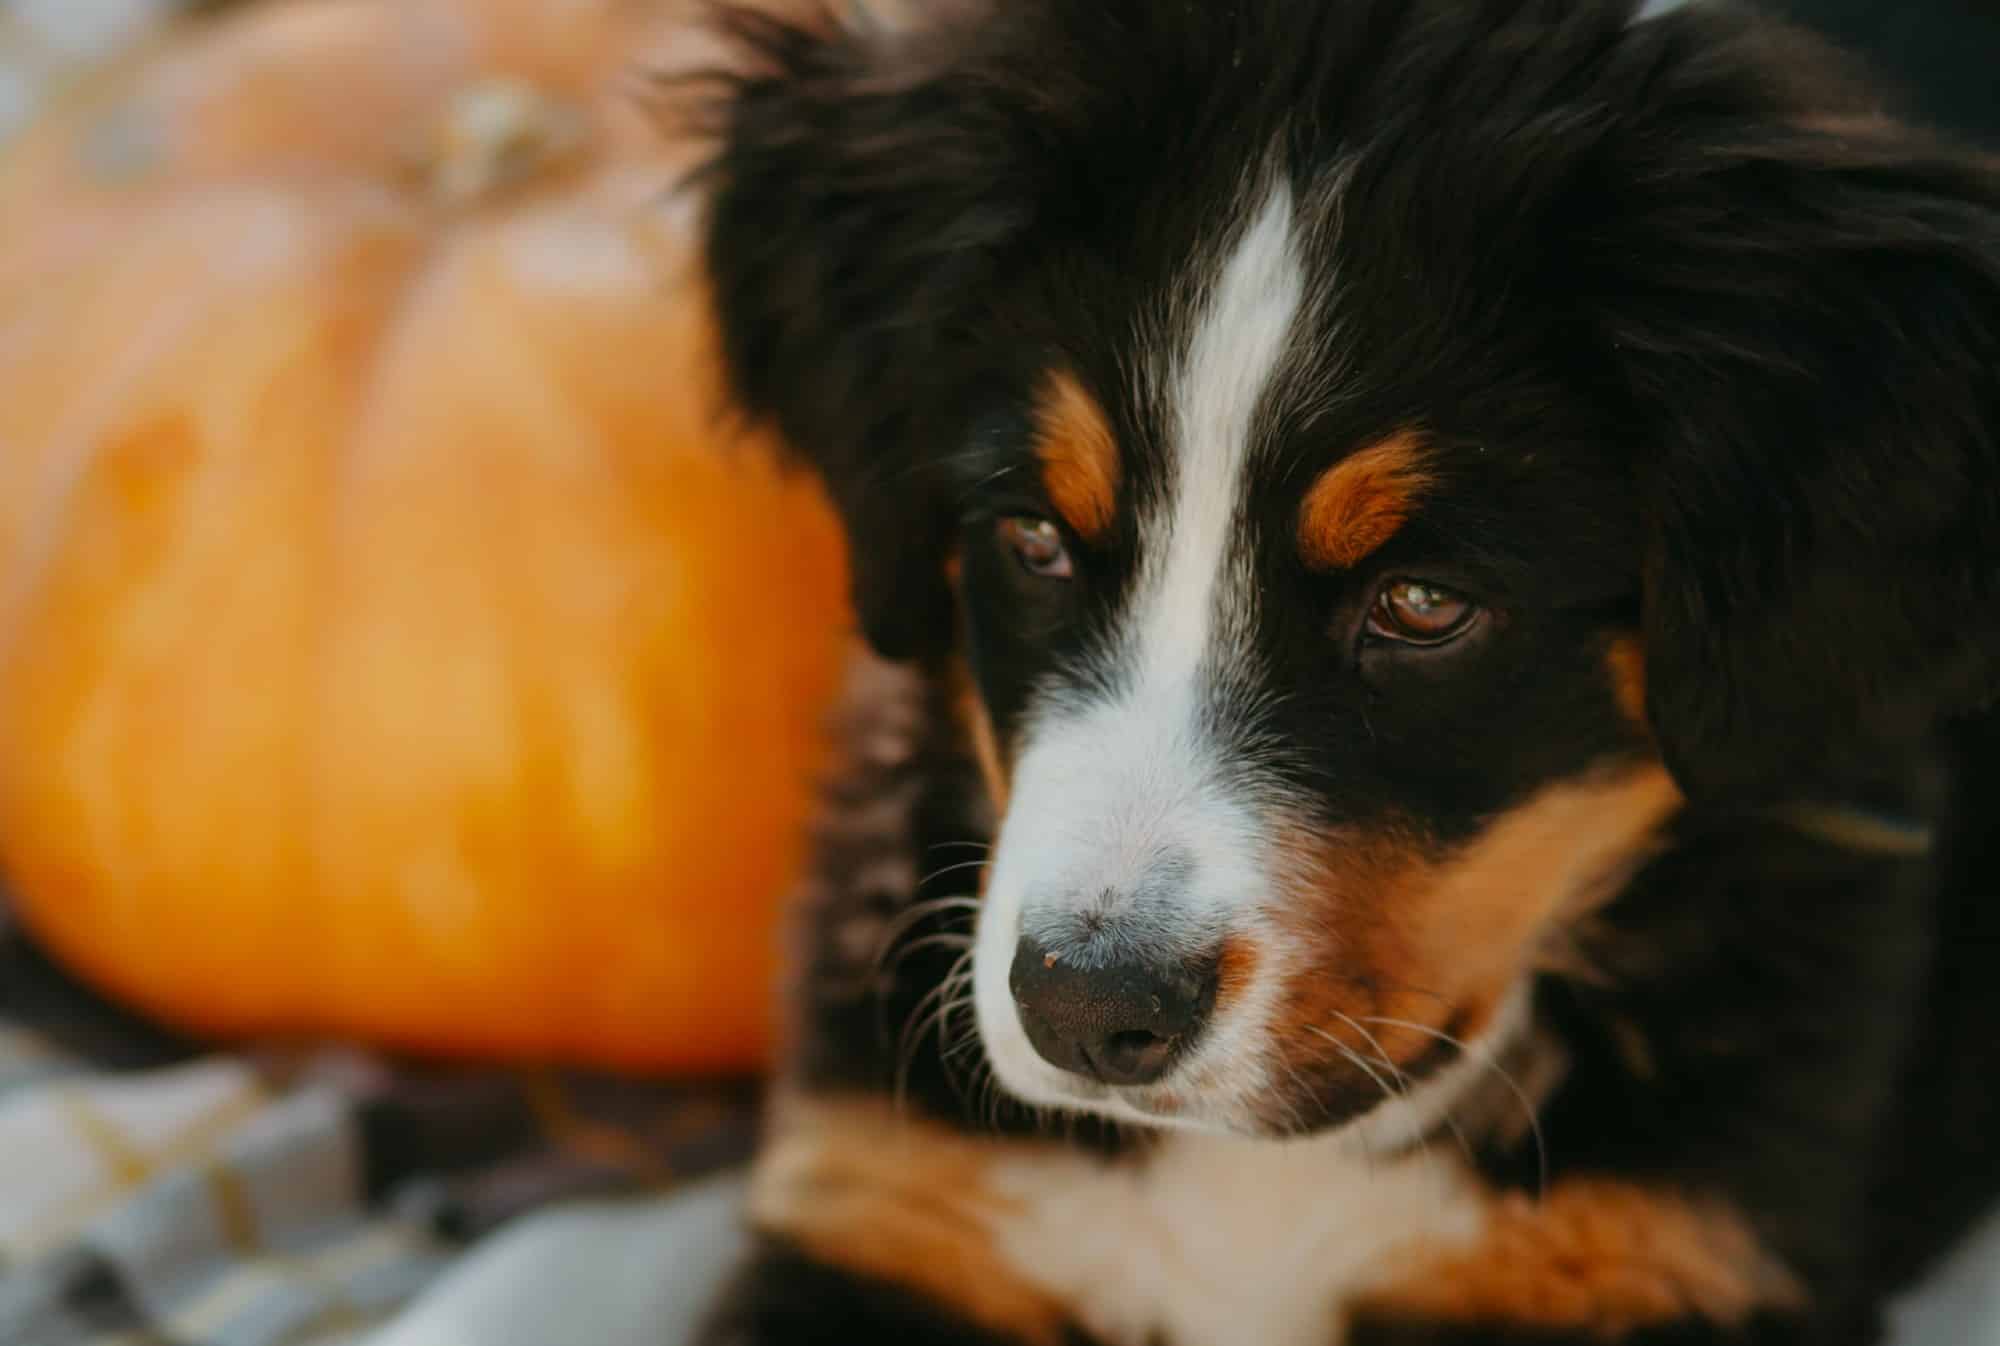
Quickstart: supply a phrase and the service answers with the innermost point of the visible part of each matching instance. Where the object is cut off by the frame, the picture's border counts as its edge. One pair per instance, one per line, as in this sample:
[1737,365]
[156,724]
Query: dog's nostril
[1134,1055]
[1123,1023]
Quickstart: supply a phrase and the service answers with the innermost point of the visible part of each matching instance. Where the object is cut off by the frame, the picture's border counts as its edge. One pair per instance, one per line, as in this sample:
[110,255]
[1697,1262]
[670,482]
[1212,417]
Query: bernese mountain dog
[1426,772]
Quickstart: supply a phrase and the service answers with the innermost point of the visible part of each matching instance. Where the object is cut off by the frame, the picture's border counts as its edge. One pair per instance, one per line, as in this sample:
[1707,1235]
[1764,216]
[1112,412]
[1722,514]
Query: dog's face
[1352,452]
[1309,678]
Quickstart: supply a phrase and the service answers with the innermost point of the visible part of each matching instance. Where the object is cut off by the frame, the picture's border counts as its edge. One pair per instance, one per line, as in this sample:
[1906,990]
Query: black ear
[1807,314]
[862,201]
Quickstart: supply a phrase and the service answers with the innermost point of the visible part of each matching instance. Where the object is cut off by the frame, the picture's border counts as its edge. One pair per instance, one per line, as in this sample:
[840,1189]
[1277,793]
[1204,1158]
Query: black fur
[783,1296]
[1710,352]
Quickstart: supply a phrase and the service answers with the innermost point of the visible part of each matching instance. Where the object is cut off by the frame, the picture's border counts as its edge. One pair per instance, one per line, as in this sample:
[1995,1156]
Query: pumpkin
[396,640]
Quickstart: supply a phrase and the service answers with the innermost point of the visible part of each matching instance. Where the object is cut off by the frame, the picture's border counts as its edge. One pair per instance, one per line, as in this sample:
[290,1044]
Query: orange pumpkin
[392,642]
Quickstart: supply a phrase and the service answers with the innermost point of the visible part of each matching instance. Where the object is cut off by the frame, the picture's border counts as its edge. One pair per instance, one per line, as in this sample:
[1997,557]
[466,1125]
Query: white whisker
[950,939]
[1388,1092]
[918,912]
[1403,1078]
[929,1012]
[1485,1057]
[962,865]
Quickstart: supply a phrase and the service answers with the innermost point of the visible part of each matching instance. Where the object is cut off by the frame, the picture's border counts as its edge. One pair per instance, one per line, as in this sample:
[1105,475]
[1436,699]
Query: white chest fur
[1215,1241]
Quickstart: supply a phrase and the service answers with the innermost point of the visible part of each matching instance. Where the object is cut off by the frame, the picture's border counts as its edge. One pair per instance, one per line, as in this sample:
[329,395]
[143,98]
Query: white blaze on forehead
[1191,582]
[1103,789]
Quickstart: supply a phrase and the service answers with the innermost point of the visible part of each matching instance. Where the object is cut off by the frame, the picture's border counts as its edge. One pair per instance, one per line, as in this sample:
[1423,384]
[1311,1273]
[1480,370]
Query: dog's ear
[861,201]
[1808,320]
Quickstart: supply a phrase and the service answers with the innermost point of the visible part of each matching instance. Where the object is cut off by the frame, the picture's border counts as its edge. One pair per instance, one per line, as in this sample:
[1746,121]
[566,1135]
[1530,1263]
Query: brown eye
[1037,544]
[1416,613]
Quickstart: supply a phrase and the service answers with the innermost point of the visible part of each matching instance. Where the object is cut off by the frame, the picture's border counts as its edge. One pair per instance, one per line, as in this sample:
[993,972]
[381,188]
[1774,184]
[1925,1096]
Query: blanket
[156,1191]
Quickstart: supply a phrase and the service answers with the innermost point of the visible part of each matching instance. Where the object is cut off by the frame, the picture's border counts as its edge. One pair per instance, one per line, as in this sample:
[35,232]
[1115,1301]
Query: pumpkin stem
[493,135]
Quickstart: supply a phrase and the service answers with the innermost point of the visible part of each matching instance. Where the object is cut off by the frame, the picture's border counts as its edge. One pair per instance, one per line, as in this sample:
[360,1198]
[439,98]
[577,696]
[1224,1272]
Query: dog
[1427,771]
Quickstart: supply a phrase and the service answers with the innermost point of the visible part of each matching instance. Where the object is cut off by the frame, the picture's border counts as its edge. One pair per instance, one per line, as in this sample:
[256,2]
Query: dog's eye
[1416,613]
[1038,545]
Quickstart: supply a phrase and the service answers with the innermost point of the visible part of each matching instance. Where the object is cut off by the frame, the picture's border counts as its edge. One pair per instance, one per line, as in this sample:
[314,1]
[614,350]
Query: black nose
[1123,1022]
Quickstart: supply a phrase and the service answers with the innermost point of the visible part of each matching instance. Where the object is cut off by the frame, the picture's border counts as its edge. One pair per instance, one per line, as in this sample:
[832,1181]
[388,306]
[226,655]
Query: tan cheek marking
[1235,969]
[1079,456]
[1344,892]
[1361,501]
[1596,1257]
[1485,916]
[1394,935]
[860,1187]
[972,716]
[986,747]
[1627,659]
[980,735]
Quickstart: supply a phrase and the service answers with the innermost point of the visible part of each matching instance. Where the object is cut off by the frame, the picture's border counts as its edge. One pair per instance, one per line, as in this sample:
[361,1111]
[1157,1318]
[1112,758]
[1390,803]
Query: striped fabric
[154,1193]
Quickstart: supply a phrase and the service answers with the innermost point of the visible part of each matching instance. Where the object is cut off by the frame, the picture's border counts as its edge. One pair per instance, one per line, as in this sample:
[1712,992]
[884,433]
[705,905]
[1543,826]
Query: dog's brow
[1078,454]
[1358,504]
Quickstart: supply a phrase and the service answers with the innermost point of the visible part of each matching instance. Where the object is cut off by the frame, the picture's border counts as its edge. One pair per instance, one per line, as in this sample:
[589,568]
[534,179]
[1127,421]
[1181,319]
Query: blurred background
[411,680]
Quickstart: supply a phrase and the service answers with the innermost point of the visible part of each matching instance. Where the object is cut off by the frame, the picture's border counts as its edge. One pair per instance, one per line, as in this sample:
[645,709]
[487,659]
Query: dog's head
[1376,462]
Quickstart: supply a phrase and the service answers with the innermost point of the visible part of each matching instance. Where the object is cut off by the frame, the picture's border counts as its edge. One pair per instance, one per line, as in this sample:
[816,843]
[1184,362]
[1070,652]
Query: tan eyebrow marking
[1627,659]
[1360,502]
[1078,453]
[986,750]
